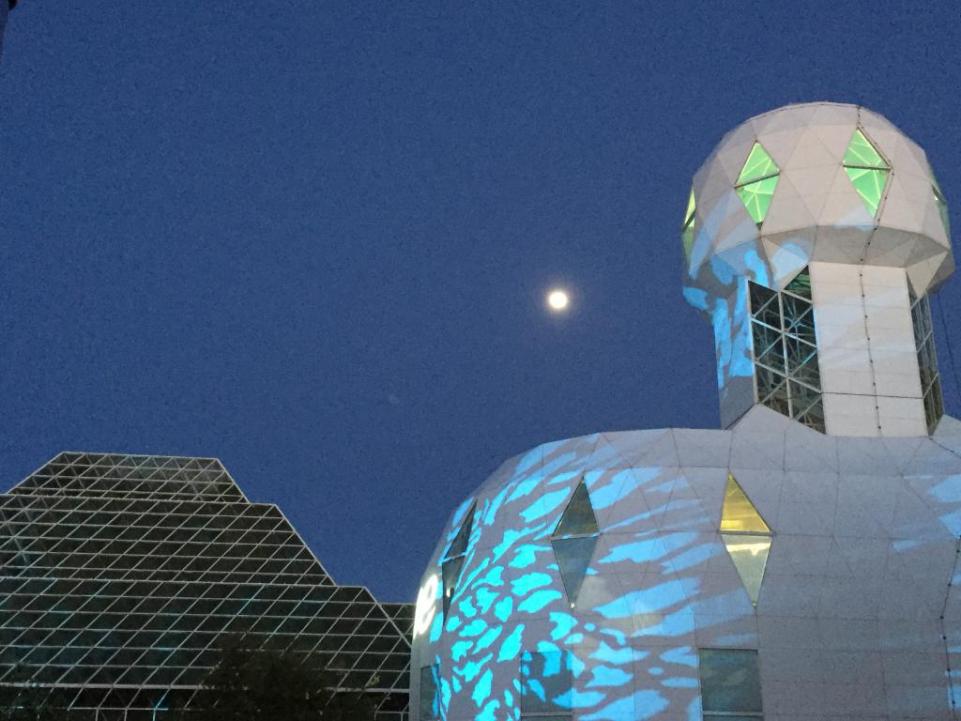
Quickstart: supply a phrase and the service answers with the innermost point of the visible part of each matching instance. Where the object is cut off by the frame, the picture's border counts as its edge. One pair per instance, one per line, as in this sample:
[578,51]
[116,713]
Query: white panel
[850,415]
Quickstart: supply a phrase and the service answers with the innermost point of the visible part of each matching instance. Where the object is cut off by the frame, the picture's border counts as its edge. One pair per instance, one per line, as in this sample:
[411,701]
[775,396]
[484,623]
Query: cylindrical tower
[813,237]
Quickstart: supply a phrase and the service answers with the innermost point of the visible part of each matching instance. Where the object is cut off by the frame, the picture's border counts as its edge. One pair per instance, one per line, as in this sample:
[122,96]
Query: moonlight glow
[558,300]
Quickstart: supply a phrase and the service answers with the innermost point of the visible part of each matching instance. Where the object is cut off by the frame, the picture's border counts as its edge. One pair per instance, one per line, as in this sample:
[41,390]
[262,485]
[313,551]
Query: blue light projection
[510,599]
[660,583]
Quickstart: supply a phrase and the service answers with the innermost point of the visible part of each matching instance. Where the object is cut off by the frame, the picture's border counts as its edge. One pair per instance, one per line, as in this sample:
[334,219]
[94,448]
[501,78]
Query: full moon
[558,300]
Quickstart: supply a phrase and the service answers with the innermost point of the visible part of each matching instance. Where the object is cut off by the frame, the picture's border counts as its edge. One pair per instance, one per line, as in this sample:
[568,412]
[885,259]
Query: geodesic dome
[818,181]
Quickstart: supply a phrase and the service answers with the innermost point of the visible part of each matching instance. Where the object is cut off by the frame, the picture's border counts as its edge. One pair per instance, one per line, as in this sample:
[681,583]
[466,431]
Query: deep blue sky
[312,238]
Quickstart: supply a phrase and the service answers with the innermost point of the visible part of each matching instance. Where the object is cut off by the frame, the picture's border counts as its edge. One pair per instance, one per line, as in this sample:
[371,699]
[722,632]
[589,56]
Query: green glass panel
[730,681]
[578,518]
[869,184]
[738,514]
[459,545]
[573,558]
[862,154]
[749,554]
[757,166]
[757,197]
[801,285]
[687,240]
[687,233]
[691,207]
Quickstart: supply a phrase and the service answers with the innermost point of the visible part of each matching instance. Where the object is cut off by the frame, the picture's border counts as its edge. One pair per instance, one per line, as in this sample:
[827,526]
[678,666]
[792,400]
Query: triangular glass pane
[801,285]
[759,295]
[942,205]
[749,554]
[459,546]
[861,153]
[691,207]
[687,240]
[573,557]
[687,232]
[578,518]
[757,166]
[450,572]
[738,514]
[869,184]
[757,197]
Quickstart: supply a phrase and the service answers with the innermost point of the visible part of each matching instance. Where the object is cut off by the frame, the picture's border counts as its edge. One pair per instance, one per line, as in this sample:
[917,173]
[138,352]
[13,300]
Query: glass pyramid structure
[119,573]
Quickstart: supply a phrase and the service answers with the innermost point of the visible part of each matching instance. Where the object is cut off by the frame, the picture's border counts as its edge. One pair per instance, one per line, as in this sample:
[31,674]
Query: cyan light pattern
[855,587]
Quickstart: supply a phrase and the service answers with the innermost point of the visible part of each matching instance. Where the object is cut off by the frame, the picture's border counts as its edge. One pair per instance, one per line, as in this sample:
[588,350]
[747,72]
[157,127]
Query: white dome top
[818,181]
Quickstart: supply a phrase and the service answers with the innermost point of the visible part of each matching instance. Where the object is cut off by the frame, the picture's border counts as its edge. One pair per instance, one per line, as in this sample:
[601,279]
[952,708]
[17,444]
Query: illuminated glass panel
[759,165]
[749,553]
[786,372]
[688,229]
[757,182]
[927,361]
[730,684]
[738,514]
[546,685]
[429,701]
[942,205]
[867,170]
[746,537]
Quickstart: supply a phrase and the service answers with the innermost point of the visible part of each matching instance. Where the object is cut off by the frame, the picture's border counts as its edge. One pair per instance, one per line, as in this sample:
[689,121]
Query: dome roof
[816,181]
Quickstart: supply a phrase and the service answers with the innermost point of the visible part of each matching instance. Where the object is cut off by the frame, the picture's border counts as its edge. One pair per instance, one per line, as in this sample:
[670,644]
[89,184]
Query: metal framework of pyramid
[119,573]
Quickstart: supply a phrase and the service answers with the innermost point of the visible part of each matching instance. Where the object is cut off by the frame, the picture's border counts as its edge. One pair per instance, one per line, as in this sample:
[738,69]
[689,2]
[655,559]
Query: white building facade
[797,564]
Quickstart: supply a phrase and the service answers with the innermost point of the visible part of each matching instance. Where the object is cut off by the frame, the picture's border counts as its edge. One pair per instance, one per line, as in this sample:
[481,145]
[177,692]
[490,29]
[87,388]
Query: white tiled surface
[848,623]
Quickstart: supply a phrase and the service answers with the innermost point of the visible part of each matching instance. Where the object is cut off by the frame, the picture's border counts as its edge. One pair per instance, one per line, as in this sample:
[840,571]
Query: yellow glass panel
[749,554]
[738,514]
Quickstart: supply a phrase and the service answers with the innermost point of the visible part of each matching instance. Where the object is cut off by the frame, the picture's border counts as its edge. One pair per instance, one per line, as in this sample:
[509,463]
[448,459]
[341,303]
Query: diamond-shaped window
[574,540]
[746,537]
[867,170]
[757,182]
[687,230]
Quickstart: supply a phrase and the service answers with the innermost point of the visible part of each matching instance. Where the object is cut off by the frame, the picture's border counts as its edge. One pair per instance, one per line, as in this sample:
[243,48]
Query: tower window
[786,372]
[927,361]
[730,684]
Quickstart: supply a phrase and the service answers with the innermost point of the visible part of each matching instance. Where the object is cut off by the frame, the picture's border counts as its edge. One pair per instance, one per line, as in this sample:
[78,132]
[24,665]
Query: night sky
[312,239]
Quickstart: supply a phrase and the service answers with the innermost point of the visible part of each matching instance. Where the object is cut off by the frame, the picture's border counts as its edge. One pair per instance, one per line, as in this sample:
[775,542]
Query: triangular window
[942,205]
[687,230]
[574,540]
[738,514]
[453,561]
[756,184]
[867,170]
[746,537]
